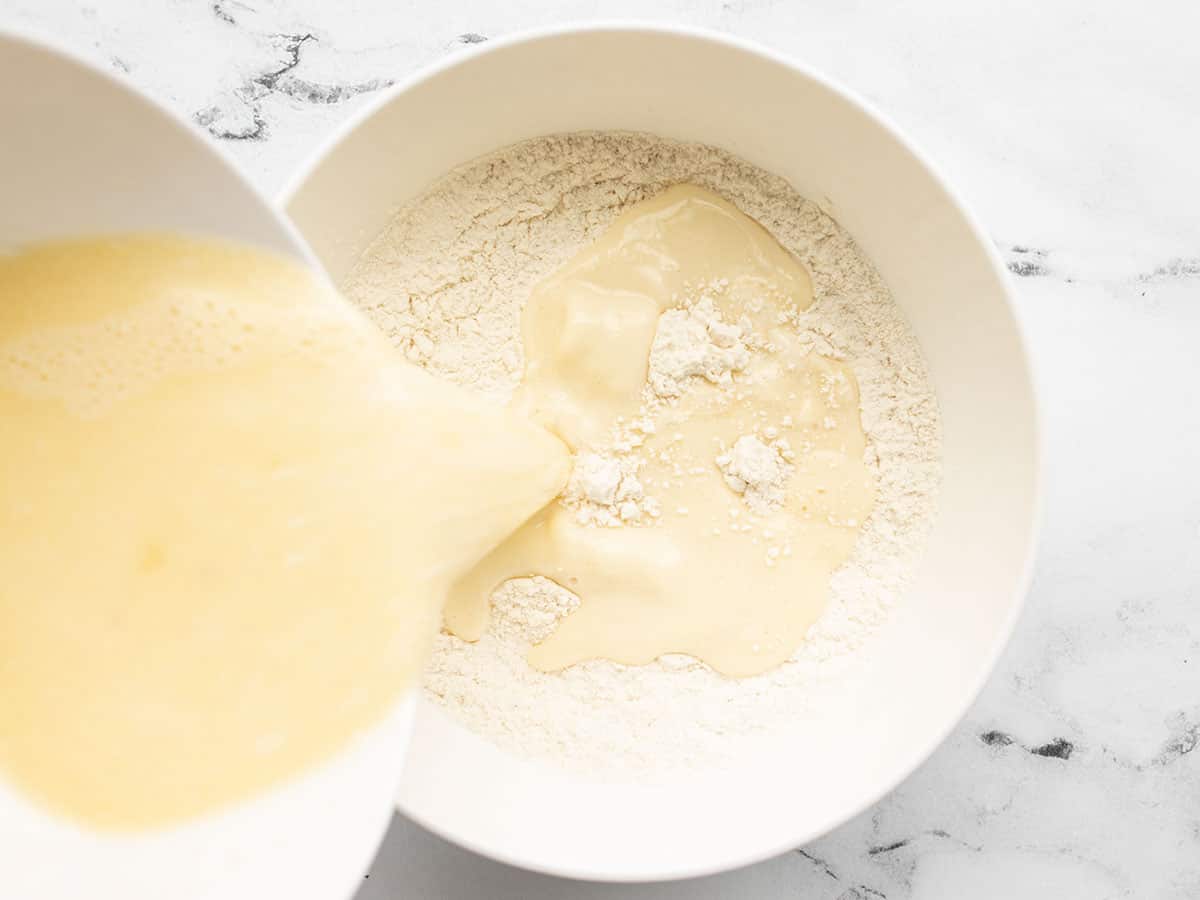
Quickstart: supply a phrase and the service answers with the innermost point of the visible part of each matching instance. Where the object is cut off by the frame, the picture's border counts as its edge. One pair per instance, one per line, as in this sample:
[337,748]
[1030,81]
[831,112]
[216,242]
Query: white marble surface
[1073,127]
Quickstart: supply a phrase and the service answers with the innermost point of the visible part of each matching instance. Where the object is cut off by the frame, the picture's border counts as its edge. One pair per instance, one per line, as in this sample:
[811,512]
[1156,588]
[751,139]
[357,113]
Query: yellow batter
[734,585]
[228,519]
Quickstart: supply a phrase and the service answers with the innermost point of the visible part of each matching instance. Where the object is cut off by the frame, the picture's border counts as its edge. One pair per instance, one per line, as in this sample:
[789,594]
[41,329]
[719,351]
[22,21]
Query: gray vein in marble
[817,862]
[279,80]
[1058,748]
[862,892]
[1029,262]
[1176,268]
[887,848]
[1185,739]
[996,738]
[221,11]
[856,891]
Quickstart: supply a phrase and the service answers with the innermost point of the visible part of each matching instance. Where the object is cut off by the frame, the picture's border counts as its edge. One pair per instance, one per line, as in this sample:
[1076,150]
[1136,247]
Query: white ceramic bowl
[83,154]
[940,646]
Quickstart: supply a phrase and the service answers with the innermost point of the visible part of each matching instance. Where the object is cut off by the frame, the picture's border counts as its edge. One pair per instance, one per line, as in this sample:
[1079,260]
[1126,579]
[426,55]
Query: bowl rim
[53,45]
[1000,640]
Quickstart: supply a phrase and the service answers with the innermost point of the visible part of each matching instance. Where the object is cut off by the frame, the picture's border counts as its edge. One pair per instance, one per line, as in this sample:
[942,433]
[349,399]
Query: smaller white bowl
[83,154]
[938,649]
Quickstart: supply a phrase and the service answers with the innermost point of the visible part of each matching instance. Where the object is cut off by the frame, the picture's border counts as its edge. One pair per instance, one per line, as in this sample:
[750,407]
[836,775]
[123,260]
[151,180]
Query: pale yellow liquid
[709,577]
[228,520]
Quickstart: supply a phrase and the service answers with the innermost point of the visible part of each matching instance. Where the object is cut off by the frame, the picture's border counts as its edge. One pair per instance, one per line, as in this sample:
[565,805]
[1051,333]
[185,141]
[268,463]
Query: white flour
[755,469]
[694,341]
[447,280]
[605,490]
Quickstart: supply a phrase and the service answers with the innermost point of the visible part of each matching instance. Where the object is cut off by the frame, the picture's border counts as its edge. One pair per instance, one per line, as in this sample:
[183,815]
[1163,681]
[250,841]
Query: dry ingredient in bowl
[447,281]
[596,335]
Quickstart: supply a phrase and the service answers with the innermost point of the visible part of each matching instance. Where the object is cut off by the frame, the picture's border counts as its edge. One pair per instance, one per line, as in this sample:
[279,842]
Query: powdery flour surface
[447,280]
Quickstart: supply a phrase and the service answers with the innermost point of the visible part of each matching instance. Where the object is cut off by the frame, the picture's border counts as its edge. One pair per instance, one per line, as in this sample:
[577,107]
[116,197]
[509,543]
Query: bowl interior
[939,647]
[82,154]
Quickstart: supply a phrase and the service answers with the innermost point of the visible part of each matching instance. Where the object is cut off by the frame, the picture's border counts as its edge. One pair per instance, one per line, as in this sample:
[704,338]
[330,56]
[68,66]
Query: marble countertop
[1073,129]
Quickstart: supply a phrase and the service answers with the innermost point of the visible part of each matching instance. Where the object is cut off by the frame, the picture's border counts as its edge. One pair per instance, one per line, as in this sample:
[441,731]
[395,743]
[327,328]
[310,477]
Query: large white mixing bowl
[943,641]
